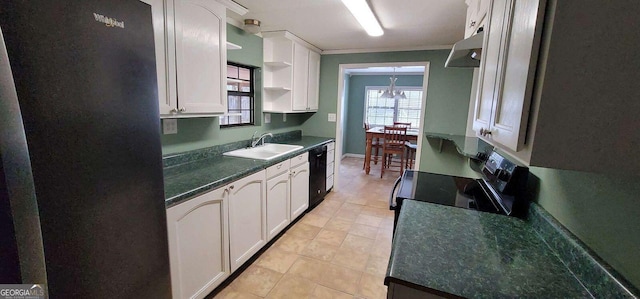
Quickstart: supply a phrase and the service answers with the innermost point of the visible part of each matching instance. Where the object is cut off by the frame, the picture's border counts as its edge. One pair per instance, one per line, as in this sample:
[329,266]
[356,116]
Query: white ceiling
[328,24]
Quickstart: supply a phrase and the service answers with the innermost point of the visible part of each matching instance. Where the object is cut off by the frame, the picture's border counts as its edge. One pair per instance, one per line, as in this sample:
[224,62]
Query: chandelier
[392,92]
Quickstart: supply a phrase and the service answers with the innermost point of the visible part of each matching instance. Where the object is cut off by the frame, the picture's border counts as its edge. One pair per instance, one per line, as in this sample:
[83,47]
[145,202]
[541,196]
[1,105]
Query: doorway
[384,68]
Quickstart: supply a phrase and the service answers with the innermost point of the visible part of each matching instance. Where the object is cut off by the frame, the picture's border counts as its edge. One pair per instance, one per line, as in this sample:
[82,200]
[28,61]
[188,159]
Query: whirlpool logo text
[109,22]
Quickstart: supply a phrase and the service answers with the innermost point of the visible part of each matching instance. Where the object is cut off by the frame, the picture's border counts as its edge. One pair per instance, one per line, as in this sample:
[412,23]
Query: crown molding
[378,50]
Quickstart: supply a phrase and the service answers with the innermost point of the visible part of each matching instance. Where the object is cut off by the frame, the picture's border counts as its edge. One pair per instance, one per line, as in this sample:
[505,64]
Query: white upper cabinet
[159,28]
[291,74]
[476,16]
[557,92]
[300,77]
[507,69]
[193,45]
[201,56]
[313,89]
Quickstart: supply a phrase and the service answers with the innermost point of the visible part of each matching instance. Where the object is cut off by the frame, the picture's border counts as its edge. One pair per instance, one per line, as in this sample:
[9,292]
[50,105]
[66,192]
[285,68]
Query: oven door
[395,198]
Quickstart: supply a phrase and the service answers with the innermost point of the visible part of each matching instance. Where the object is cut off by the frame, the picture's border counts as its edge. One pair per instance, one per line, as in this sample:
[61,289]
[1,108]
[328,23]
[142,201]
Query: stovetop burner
[500,190]
[445,190]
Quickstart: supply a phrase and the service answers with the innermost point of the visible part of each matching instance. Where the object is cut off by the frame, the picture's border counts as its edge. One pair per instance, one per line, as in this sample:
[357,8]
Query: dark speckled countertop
[185,181]
[472,254]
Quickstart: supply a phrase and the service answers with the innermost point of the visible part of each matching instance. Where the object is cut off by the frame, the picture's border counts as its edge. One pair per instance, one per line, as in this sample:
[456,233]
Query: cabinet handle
[473,23]
[173,111]
[484,132]
[279,166]
[231,187]
[182,109]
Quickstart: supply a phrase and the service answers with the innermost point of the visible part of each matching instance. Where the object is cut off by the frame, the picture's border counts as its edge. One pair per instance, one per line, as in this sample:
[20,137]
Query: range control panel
[504,175]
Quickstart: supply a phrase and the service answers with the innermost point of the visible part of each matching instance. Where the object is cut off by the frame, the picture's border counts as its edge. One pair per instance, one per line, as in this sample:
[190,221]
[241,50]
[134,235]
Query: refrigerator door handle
[27,238]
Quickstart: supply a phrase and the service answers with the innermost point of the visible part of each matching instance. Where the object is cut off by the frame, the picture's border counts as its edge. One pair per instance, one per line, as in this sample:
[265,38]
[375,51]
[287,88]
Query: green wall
[446,110]
[345,108]
[196,133]
[601,210]
[354,134]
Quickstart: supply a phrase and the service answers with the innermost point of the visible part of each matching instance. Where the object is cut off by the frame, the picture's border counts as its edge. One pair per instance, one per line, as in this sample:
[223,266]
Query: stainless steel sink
[266,152]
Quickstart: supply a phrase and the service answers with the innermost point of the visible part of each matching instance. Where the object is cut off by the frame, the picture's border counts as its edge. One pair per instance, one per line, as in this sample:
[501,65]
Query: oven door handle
[392,205]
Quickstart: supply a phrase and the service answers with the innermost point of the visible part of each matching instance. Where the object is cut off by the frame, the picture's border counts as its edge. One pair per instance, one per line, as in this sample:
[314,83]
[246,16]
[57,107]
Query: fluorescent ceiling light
[361,10]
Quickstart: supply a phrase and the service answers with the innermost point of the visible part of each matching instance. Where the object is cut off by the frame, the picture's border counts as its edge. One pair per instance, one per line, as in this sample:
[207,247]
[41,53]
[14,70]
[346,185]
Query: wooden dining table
[378,132]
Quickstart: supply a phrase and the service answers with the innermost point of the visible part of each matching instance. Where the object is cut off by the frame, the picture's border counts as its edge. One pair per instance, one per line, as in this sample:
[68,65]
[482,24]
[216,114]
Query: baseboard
[353,156]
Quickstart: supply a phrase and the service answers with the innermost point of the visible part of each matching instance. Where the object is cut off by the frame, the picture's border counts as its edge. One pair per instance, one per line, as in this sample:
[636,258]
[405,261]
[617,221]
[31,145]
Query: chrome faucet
[254,143]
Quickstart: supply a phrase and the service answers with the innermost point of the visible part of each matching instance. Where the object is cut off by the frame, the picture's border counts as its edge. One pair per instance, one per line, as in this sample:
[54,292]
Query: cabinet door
[247,218]
[299,190]
[166,103]
[469,26]
[483,11]
[300,77]
[198,244]
[278,216]
[201,56]
[491,65]
[509,122]
[314,81]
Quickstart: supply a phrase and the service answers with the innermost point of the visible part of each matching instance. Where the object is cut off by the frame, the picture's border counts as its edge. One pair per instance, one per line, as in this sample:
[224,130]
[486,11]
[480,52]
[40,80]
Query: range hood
[467,52]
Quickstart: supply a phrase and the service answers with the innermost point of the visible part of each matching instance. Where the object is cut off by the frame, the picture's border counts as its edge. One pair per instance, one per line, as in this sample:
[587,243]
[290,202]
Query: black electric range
[500,190]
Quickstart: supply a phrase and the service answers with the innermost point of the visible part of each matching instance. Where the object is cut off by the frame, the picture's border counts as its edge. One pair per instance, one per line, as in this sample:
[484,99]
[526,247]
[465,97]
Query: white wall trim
[386,73]
[234,22]
[235,7]
[377,50]
[361,156]
[339,117]
[289,35]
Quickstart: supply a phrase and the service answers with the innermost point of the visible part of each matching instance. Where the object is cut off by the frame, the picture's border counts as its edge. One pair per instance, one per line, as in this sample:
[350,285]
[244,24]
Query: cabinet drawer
[331,156]
[299,159]
[331,146]
[278,168]
[329,169]
[329,182]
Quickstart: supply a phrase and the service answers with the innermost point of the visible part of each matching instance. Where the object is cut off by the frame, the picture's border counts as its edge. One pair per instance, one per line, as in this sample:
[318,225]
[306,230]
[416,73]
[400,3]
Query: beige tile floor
[338,250]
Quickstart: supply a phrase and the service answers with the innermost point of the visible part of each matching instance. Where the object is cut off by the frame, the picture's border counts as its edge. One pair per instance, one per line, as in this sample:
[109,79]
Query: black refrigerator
[81,186]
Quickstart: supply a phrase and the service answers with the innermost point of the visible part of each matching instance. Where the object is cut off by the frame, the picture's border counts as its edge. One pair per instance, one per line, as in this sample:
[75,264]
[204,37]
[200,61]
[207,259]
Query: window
[240,96]
[383,111]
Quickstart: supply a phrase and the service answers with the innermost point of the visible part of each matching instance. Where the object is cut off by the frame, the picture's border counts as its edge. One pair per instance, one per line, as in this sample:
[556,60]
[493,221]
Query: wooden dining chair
[410,148]
[393,144]
[402,124]
[411,154]
[376,145]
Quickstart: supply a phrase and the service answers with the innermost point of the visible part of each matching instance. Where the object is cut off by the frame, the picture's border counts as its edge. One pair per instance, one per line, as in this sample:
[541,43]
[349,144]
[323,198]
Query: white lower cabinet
[299,189]
[199,244]
[278,216]
[331,153]
[212,235]
[247,218]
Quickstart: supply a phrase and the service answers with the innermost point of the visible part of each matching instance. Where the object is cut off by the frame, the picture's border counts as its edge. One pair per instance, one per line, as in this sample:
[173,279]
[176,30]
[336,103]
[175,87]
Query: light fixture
[252,26]
[362,12]
[392,92]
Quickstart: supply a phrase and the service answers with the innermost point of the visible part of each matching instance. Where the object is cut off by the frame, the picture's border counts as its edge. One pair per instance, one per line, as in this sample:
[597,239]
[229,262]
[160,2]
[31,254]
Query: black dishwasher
[317,175]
